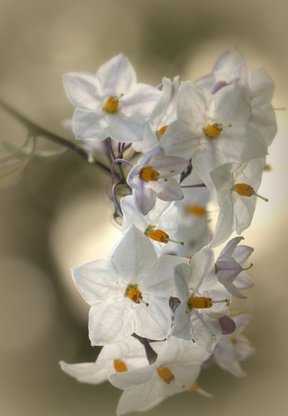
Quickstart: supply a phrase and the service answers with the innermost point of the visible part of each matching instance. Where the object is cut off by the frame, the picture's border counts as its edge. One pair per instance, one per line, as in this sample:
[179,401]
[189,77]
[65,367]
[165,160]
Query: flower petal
[89,125]
[141,101]
[117,76]
[134,255]
[82,90]
[94,280]
[110,321]
[91,373]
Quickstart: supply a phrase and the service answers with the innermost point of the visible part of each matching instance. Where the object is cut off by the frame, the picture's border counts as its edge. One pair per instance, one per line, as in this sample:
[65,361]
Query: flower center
[159,235]
[212,131]
[203,302]
[148,173]
[243,189]
[161,131]
[120,366]
[111,105]
[195,210]
[133,293]
[165,374]
[199,302]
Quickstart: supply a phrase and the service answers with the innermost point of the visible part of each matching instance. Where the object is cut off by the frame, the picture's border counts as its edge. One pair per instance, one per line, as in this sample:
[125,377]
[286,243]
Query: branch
[41,131]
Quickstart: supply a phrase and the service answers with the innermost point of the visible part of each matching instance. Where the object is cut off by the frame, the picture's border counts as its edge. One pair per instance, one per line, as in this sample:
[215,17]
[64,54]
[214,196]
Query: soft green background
[57,216]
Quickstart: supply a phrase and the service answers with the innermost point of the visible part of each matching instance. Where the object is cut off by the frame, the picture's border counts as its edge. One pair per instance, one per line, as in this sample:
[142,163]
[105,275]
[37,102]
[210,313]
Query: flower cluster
[160,305]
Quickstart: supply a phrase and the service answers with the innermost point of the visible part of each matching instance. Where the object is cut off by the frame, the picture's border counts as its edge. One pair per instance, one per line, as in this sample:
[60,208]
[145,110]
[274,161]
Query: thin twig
[55,138]
[197,185]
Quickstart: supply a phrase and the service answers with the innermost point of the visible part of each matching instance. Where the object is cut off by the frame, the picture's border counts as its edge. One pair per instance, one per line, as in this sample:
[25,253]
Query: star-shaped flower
[154,176]
[110,103]
[231,68]
[231,350]
[236,186]
[203,300]
[113,358]
[176,370]
[163,115]
[129,292]
[229,267]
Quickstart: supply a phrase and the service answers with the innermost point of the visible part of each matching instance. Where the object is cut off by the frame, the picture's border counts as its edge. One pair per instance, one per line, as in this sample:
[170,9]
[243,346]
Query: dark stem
[197,185]
[55,138]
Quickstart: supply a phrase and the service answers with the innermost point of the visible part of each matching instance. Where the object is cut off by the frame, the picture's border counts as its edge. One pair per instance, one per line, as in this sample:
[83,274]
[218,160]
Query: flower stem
[37,130]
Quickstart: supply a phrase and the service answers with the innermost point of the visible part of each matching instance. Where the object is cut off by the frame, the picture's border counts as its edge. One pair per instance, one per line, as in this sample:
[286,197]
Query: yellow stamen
[195,210]
[120,366]
[156,234]
[243,189]
[133,293]
[148,173]
[199,302]
[203,302]
[161,131]
[159,235]
[111,105]
[165,374]
[212,131]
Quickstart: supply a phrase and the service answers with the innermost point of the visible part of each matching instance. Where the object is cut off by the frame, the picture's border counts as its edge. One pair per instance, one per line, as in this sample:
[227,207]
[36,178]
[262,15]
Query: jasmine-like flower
[231,350]
[229,267]
[113,358]
[129,292]
[202,297]
[163,115]
[110,103]
[153,225]
[212,128]
[154,176]
[176,370]
[236,186]
[231,68]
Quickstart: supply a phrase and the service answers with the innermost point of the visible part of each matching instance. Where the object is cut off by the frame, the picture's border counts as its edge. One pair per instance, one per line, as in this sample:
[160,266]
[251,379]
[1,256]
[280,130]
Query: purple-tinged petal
[145,198]
[227,325]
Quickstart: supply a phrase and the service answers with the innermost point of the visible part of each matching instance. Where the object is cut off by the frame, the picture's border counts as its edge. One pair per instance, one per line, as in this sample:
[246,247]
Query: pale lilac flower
[129,292]
[110,103]
[229,267]
[155,176]
[176,370]
[231,350]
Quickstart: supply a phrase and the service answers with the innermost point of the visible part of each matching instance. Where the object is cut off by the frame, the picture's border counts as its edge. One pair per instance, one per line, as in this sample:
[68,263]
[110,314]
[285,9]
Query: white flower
[236,186]
[110,103]
[154,177]
[129,292]
[113,358]
[153,225]
[212,128]
[176,370]
[162,116]
[230,68]
[232,350]
[202,297]
[229,267]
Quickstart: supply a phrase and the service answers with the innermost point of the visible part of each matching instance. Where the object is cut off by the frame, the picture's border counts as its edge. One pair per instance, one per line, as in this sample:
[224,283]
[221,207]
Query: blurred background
[57,216]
